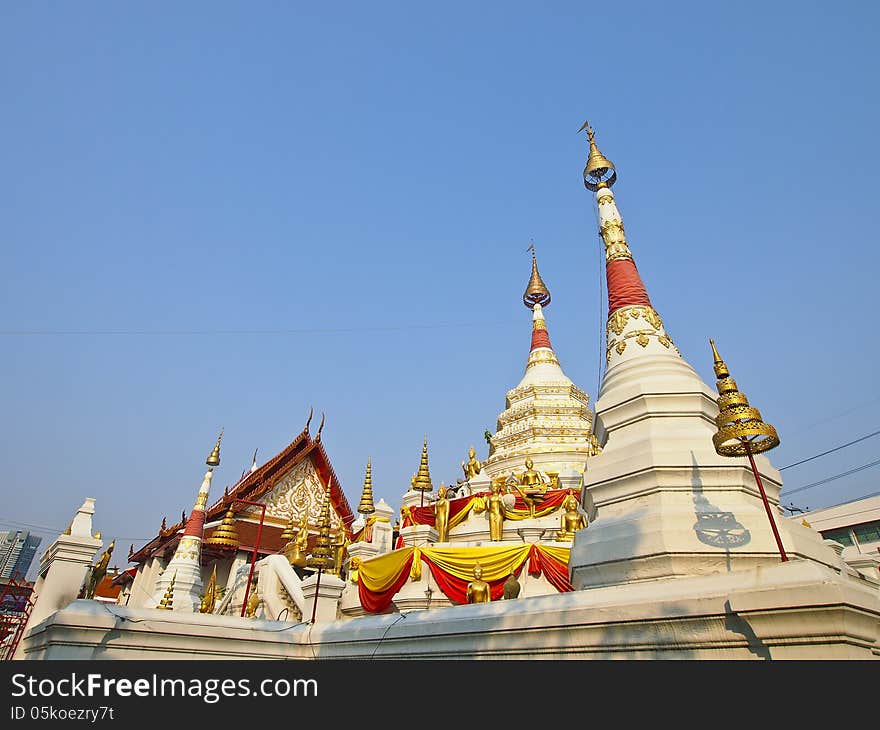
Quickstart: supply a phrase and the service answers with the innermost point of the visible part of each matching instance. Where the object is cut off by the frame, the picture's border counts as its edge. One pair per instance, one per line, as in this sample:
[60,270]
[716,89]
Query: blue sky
[285,205]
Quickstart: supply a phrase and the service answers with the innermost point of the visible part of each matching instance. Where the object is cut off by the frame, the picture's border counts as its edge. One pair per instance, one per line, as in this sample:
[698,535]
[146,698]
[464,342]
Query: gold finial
[599,171]
[421,481]
[168,599]
[536,292]
[309,419]
[366,506]
[320,427]
[721,370]
[225,537]
[323,555]
[214,457]
[740,428]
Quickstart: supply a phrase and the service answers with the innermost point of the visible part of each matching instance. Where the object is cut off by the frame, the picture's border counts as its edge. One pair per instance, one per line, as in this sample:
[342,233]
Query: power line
[831,478]
[314,330]
[830,451]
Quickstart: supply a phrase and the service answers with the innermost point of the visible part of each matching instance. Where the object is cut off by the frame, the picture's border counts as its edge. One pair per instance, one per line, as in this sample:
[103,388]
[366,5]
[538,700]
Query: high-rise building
[17,551]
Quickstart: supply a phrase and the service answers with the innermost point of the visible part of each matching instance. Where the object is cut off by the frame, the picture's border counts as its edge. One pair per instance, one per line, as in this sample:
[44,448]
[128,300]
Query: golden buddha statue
[297,549]
[473,465]
[571,520]
[441,515]
[495,508]
[478,590]
[339,545]
[531,478]
[531,486]
[511,587]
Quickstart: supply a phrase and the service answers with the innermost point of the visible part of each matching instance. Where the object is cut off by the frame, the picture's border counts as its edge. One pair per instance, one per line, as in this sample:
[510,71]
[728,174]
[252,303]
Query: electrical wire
[831,478]
[315,330]
[830,451]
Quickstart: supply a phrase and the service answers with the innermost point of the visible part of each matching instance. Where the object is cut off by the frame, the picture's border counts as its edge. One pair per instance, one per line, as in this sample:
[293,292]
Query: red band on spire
[625,287]
[540,338]
[195,524]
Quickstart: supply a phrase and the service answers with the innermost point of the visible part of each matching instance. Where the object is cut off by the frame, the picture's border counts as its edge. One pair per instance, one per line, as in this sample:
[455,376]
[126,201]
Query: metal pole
[766,503]
[317,588]
[247,589]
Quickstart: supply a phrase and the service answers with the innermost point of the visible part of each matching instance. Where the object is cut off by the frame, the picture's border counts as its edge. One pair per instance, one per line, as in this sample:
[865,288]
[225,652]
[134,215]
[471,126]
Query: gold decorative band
[642,338]
[618,319]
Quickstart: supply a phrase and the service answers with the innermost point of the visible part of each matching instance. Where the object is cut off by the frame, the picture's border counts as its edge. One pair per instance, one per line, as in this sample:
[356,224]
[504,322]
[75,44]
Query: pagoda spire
[186,564]
[421,480]
[366,506]
[634,326]
[536,297]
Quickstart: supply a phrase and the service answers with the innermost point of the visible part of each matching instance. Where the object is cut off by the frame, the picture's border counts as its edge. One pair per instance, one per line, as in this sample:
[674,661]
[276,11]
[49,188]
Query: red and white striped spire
[634,327]
[185,567]
[536,297]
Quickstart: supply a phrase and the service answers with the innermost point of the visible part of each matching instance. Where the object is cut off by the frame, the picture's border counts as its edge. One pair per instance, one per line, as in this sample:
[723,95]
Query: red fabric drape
[625,287]
[379,602]
[555,571]
[455,589]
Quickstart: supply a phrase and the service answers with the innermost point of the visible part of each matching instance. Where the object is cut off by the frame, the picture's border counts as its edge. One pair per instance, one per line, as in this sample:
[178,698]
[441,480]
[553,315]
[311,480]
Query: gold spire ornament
[167,602]
[366,506]
[421,480]
[599,171]
[742,432]
[214,457]
[536,292]
[324,554]
[225,537]
[740,428]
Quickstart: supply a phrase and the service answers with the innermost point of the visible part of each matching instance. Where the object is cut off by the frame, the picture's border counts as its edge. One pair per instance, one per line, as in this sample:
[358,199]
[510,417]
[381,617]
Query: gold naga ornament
[209,600]
[167,602]
[742,432]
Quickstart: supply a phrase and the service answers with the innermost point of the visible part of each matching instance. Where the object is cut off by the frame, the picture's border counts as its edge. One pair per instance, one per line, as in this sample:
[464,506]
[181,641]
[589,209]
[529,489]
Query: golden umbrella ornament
[742,432]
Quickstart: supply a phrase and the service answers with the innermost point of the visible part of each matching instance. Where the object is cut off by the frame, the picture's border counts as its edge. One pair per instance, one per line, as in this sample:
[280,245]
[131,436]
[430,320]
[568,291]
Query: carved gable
[299,490]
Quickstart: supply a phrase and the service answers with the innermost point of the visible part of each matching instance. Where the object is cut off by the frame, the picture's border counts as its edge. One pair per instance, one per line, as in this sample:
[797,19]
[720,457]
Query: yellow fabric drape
[378,574]
[496,562]
[561,554]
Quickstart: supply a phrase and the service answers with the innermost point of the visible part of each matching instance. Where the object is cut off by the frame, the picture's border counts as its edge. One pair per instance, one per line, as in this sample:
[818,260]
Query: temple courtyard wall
[794,610]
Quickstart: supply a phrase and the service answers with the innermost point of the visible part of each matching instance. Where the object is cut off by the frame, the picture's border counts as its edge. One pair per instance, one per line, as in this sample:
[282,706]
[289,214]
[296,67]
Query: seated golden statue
[531,478]
[572,519]
[473,465]
[478,589]
[531,486]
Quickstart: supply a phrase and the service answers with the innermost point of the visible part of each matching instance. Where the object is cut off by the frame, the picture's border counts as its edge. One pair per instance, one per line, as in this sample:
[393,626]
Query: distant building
[17,551]
[856,526]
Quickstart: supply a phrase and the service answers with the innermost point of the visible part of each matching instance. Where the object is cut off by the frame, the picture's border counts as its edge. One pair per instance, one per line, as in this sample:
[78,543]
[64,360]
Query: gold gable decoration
[299,491]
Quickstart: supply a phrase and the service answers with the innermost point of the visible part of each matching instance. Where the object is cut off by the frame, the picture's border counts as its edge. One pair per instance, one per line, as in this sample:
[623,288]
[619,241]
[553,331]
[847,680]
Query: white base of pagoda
[794,610]
[668,504]
[188,586]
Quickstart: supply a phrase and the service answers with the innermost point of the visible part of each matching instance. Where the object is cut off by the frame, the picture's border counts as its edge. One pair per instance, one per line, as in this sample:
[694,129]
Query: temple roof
[254,484]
